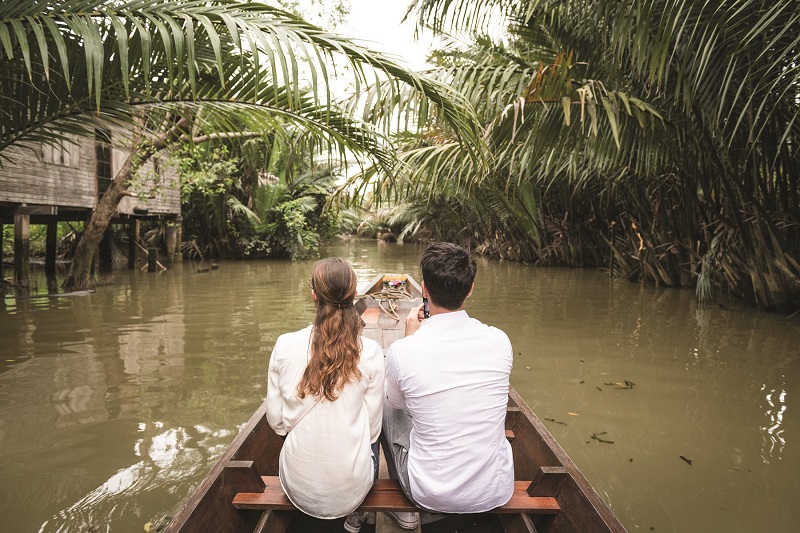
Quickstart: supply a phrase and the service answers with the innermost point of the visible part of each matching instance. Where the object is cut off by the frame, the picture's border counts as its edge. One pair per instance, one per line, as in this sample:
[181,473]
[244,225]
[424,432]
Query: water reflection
[113,406]
[773,438]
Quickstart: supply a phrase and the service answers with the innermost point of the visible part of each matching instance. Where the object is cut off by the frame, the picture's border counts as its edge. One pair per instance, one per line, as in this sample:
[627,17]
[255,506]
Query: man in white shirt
[447,387]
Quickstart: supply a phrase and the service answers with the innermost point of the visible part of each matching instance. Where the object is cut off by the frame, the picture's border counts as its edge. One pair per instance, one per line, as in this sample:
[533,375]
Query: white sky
[376,25]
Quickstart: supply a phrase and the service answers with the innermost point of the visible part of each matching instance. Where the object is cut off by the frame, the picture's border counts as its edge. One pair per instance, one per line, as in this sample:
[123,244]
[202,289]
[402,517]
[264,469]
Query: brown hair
[335,340]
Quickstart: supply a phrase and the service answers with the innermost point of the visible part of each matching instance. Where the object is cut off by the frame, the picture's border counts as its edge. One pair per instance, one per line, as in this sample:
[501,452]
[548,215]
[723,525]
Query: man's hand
[415,318]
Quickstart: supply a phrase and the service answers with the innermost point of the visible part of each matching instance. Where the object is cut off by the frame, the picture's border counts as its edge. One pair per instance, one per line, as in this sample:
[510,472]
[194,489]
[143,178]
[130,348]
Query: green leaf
[612,119]
[122,49]
[61,47]
[213,36]
[22,41]
[38,32]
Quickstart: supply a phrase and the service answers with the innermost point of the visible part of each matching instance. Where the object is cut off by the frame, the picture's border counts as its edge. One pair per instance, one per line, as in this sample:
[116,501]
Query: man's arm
[394,396]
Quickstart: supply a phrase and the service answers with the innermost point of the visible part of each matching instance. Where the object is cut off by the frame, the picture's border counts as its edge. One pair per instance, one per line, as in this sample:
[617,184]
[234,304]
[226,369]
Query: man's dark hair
[448,271]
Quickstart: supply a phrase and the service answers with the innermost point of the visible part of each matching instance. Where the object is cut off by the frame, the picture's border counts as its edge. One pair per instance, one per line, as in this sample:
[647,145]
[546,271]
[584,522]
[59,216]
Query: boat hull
[256,449]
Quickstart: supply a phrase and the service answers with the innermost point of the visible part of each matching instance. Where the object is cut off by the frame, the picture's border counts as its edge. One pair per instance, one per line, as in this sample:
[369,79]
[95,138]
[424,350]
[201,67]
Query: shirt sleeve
[274,398]
[509,354]
[373,397]
[394,395]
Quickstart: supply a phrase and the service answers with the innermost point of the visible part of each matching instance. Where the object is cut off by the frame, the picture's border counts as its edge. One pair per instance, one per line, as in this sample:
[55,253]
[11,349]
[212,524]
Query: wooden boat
[254,453]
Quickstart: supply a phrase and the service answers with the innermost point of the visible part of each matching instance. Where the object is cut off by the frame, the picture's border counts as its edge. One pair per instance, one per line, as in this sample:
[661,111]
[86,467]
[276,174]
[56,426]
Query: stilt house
[48,184]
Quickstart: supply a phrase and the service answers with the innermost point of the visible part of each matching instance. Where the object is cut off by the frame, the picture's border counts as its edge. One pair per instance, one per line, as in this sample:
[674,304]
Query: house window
[64,152]
[102,155]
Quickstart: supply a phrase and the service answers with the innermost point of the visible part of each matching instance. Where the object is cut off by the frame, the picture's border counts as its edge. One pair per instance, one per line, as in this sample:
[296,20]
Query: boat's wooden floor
[378,325]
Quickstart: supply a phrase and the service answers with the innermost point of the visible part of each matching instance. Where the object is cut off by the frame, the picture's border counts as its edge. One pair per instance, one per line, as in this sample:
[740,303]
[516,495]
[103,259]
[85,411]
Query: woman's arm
[274,397]
[373,396]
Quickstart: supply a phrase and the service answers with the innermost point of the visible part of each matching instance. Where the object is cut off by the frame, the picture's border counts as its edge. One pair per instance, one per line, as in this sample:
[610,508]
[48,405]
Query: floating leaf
[596,436]
[621,385]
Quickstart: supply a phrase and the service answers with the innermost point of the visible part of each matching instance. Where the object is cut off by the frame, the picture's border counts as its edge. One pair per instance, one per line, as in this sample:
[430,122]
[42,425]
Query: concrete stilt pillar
[22,247]
[133,238]
[1,249]
[171,237]
[178,242]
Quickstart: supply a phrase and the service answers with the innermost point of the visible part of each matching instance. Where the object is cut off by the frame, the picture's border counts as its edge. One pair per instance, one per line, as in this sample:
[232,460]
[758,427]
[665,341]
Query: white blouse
[326,464]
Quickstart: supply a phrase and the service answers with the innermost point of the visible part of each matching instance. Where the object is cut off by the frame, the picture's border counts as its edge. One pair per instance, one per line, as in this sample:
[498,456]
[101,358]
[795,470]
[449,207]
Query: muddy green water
[113,406]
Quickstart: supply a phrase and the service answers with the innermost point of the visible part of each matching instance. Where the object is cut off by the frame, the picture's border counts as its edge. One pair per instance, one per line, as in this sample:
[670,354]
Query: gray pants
[376,457]
[396,441]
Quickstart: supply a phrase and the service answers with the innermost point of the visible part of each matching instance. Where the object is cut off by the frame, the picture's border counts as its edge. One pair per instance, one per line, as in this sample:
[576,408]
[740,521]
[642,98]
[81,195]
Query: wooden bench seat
[535,498]
[386,495]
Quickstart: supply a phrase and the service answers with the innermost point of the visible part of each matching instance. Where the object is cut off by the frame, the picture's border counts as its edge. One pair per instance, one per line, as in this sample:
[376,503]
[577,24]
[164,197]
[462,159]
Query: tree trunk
[79,274]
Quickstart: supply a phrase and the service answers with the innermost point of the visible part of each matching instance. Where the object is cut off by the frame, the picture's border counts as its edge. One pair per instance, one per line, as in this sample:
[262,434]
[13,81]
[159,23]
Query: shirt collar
[446,318]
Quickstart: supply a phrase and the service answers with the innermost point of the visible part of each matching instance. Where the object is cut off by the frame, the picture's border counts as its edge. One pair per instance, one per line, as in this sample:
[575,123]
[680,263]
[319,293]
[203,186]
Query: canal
[114,405]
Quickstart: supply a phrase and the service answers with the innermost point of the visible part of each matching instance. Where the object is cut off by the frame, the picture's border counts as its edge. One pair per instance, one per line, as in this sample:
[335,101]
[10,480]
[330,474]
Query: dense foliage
[169,71]
[233,209]
[656,138]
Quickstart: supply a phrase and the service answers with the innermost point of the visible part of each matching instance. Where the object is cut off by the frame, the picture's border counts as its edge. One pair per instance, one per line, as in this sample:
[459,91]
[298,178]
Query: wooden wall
[48,176]
[65,177]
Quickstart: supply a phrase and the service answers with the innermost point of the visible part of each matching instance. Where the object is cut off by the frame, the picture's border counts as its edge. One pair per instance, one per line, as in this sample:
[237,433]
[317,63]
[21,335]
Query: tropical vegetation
[175,71]
[234,206]
[656,138]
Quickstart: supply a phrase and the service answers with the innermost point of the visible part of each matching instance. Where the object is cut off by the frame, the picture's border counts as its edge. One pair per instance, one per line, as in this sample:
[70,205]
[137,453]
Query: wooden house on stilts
[46,184]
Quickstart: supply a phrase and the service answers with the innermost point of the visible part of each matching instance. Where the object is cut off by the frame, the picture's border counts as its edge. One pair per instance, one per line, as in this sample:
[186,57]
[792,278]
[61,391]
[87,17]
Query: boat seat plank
[273,497]
[386,495]
[521,502]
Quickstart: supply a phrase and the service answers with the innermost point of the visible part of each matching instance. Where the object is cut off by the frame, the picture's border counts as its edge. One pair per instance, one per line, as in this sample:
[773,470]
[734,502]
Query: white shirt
[326,461]
[452,376]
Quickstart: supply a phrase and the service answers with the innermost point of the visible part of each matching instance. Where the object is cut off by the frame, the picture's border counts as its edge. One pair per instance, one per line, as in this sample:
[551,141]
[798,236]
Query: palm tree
[658,138]
[171,70]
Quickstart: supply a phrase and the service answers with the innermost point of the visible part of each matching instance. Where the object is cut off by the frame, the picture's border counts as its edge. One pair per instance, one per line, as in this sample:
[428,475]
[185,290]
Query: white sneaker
[353,522]
[405,520]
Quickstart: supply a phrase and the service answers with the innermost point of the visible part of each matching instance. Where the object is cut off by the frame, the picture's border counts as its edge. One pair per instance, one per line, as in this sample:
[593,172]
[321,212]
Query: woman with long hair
[325,394]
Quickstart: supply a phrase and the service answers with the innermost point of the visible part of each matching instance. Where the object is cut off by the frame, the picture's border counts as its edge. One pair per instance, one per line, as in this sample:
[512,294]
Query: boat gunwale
[230,454]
